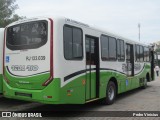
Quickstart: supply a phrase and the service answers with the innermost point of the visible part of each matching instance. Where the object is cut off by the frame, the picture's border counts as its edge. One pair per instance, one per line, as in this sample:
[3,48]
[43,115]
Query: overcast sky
[118,16]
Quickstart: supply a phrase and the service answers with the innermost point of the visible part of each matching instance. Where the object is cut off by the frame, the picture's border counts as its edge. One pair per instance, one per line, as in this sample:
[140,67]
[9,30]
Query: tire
[145,83]
[110,94]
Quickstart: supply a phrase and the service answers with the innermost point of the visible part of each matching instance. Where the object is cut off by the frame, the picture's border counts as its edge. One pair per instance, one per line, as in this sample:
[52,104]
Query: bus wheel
[110,94]
[145,83]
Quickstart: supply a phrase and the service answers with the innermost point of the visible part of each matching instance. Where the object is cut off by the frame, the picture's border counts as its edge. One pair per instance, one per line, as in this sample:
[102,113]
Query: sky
[117,16]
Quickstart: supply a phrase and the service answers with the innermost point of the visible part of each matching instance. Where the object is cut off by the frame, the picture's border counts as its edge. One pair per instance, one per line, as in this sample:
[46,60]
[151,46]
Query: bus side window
[73,43]
[104,48]
[120,50]
[112,49]
[137,53]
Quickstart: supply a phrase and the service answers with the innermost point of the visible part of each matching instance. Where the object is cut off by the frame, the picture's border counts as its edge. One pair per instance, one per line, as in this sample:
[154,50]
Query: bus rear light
[49,96]
[47,82]
[51,55]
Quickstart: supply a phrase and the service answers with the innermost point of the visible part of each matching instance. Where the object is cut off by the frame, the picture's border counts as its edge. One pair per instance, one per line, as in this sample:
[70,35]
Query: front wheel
[110,94]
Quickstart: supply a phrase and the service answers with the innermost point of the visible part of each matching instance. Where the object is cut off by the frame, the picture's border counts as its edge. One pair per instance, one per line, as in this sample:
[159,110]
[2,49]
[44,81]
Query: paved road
[136,100]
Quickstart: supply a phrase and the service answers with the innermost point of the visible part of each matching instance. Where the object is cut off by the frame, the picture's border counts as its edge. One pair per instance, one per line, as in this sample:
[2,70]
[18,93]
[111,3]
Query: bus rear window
[29,35]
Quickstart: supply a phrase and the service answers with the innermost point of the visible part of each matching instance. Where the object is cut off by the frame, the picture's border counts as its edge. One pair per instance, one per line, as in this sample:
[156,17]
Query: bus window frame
[137,54]
[31,46]
[71,26]
[109,59]
[121,60]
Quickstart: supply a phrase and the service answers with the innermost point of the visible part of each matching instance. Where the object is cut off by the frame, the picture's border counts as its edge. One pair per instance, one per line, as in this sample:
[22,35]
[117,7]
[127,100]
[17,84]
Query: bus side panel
[73,92]
[121,83]
[136,82]
[105,76]
[1,56]
[124,83]
[128,83]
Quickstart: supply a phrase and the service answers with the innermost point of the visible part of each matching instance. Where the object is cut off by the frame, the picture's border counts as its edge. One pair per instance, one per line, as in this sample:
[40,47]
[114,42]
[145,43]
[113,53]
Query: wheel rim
[111,93]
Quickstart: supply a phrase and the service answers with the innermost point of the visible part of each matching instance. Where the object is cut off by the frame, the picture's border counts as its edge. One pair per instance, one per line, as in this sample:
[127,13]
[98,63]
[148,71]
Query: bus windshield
[29,35]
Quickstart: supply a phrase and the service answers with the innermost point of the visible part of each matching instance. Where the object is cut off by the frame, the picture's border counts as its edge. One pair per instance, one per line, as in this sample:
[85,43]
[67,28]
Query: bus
[56,60]
[1,57]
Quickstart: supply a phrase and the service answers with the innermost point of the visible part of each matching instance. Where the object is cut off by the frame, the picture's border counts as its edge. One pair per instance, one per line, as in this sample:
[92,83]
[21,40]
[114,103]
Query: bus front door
[130,66]
[130,60]
[92,67]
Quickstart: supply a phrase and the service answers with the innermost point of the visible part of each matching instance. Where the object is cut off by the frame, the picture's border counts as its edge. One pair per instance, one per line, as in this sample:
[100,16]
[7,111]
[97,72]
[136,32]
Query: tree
[7,15]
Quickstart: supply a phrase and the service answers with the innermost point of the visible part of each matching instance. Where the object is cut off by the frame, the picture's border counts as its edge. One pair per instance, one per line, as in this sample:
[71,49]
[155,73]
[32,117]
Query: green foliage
[7,15]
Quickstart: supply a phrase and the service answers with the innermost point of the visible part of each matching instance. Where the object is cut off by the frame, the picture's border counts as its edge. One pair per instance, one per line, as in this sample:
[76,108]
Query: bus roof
[103,31]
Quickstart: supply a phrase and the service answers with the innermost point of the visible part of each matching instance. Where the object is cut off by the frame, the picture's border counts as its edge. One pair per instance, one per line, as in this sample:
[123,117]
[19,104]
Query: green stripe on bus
[35,81]
[74,91]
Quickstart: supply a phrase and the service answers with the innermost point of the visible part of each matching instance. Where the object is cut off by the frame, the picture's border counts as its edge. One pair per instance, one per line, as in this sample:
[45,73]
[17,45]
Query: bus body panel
[70,76]
[27,68]
[1,56]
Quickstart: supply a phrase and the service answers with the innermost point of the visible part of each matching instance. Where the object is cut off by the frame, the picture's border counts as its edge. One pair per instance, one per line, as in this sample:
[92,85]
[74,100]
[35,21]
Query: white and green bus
[1,57]
[62,61]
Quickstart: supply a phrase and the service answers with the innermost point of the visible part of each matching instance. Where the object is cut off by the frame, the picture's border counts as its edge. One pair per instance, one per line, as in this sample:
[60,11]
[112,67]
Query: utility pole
[139,27]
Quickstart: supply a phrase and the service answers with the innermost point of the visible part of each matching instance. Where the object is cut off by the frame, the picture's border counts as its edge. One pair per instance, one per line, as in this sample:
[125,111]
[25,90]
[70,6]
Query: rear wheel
[145,82]
[110,94]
